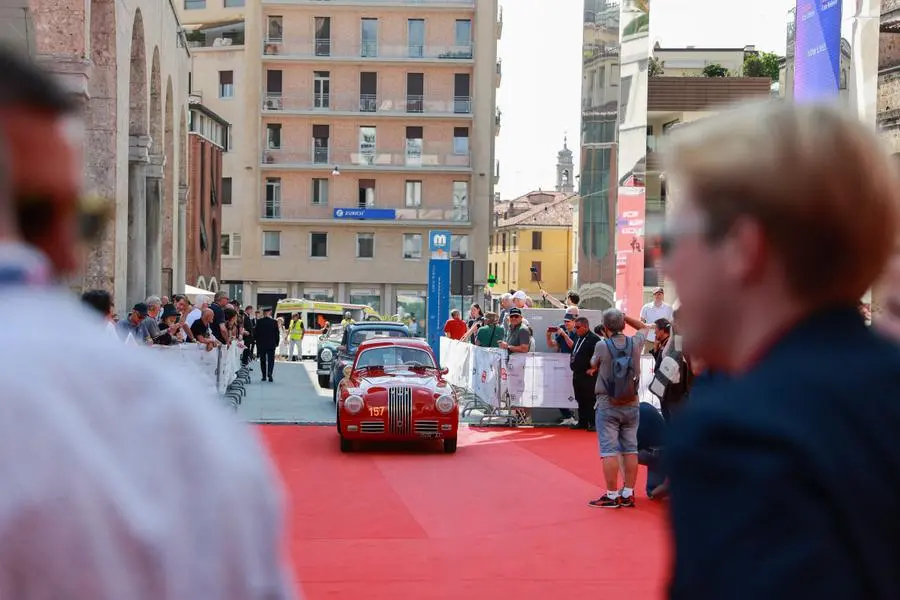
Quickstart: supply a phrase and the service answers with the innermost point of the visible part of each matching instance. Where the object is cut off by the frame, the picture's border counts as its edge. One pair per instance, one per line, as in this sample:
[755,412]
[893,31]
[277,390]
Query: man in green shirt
[490,334]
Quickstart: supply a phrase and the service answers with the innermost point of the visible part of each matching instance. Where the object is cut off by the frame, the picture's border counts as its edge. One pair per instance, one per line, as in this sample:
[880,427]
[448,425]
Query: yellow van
[309,310]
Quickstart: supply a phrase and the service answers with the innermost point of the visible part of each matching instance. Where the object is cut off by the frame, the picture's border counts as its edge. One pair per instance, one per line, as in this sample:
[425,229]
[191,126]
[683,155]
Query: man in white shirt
[652,311]
[111,490]
[201,303]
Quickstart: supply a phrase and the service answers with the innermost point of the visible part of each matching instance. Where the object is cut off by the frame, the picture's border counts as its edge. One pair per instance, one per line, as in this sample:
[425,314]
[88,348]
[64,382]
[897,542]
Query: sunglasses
[36,210]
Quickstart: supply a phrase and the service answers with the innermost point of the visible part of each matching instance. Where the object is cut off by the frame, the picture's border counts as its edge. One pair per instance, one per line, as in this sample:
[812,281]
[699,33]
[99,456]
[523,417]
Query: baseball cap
[569,317]
[659,290]
[141,309]
[514,312]
[520,295]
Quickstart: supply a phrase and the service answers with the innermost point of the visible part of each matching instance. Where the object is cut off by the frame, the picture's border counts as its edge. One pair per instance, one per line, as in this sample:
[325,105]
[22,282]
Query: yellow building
[531,244]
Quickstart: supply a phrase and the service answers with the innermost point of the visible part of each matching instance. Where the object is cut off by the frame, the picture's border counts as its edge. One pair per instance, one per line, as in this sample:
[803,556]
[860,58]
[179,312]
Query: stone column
[138,163]
[155,199]
[181,258]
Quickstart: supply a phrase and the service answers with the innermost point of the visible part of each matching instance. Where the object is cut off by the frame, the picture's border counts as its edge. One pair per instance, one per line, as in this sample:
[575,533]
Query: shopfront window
[370,298]
[411,304]
[319,294]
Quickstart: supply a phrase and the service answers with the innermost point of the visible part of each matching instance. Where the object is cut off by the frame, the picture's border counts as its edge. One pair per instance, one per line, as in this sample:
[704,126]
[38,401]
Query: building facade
[531,244]
[359,128]
[128,60]
[207,191]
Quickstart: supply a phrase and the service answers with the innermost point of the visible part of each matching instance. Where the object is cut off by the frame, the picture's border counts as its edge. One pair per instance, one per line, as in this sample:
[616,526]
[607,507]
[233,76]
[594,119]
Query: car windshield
[394,356]
[335,334]
[360,336]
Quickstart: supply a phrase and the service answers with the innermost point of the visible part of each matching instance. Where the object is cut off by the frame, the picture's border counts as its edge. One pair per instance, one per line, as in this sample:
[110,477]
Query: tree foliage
[715,70]
[764,64]
[657,67]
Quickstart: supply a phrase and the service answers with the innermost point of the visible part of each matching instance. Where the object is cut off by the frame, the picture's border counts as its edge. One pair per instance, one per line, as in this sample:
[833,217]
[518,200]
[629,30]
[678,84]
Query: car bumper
[323,369]
[430,428]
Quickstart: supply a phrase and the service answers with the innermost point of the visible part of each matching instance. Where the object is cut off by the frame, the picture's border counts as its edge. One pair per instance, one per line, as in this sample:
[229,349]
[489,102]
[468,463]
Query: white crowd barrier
[216,367]
[533,380]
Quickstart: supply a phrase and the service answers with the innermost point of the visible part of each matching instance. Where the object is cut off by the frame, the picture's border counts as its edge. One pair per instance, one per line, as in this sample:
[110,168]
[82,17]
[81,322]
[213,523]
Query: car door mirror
[444,370]
[347,370]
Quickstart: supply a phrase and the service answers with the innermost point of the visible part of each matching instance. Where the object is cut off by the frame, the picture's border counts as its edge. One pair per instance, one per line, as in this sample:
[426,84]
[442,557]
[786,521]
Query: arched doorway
[139,158]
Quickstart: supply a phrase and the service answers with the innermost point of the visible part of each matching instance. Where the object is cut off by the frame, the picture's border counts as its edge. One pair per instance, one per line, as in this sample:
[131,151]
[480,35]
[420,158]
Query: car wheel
[450,446]
[346,445]
[334,396]
[324,381]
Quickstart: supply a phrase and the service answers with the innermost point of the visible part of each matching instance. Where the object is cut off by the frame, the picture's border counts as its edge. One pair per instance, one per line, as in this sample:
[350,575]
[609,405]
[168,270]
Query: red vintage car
[396,391]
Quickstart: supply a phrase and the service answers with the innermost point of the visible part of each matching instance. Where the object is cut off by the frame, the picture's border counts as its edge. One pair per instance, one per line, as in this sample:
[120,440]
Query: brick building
[128,62]
[207,142]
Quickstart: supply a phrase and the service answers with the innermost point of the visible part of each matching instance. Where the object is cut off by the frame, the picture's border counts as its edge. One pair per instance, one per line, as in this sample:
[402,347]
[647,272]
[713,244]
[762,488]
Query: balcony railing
[353,103]
[324,48]
[439,156]
[304,210]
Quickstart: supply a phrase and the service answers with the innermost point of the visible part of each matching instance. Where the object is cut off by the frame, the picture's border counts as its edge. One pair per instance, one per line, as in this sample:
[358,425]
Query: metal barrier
[220,368]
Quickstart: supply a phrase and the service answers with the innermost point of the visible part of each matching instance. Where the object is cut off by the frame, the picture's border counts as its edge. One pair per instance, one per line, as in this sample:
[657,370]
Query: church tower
[565,170]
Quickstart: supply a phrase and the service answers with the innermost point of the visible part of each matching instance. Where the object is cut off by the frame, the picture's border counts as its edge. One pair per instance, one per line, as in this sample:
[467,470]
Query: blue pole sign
[438,288]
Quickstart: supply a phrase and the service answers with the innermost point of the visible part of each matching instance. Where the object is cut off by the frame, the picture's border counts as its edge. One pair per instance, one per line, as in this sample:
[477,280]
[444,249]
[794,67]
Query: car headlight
[445,404]
[326,355]
[353,404]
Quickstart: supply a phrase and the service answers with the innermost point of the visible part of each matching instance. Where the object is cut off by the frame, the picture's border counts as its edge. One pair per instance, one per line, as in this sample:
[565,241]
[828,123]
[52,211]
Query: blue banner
[438,307]
[375,214]
[817,50]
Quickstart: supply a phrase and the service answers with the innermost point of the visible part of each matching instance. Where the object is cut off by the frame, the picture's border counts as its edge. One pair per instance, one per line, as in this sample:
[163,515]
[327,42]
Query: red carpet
[506,516]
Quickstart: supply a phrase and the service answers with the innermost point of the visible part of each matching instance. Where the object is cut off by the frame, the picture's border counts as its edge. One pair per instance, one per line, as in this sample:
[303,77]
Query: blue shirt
[784,479]
[560,339]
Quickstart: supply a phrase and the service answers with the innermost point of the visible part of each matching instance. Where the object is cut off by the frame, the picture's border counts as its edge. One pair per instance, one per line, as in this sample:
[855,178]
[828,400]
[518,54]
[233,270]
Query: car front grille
[371,427]
[426,427]
[400,410]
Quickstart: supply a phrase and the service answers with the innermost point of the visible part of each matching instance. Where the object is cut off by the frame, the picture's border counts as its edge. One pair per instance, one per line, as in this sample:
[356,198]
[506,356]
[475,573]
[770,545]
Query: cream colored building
[690,61]
[358,126]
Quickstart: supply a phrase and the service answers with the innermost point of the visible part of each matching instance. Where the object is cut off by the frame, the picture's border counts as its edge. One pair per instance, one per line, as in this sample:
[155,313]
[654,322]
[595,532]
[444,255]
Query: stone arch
[213,285]
[139,159]
[155,192]
[100,265]
[201,283]
[170,197]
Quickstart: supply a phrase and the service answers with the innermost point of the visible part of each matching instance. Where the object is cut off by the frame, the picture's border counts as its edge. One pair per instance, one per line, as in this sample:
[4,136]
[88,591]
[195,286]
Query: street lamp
[336,171]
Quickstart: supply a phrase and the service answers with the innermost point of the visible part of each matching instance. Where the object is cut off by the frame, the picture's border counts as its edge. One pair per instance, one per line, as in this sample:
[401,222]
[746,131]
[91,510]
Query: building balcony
[365,104]
[329,50]
[499,77]
[452,4]
[500,24]
[300,212]
[430,158]
[497,122]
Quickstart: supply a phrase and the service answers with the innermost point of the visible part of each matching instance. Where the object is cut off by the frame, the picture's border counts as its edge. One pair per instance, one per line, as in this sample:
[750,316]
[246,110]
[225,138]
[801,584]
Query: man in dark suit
[784,466]
[582,383]
[249,325]
[266,336]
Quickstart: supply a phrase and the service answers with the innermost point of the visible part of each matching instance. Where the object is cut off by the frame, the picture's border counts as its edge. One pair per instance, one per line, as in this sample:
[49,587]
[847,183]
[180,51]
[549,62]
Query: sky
[540,95]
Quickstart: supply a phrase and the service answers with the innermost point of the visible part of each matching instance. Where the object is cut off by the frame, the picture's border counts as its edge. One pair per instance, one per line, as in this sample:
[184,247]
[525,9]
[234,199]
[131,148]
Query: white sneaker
[570,421]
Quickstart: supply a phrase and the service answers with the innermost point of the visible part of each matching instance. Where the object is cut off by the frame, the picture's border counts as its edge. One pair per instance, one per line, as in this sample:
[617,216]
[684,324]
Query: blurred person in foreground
[784,464]
[112,489]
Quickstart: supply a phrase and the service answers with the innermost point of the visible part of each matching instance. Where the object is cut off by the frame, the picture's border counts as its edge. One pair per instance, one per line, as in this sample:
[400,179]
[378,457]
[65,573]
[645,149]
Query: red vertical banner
[630,218]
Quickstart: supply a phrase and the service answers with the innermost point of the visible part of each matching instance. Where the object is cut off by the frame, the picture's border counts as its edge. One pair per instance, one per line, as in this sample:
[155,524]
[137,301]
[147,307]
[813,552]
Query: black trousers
[248,351]
[266,361]
[584,396]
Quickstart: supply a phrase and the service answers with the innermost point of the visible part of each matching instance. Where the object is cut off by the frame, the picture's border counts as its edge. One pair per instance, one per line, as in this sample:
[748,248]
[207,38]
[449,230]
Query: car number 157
[376,411]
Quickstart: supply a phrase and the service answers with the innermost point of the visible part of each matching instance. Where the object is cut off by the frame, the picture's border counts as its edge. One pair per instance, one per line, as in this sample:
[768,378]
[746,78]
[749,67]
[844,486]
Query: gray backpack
[622,387]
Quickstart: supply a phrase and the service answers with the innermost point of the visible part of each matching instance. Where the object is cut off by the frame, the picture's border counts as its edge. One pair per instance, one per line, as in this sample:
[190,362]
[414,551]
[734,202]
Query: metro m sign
[439,245]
